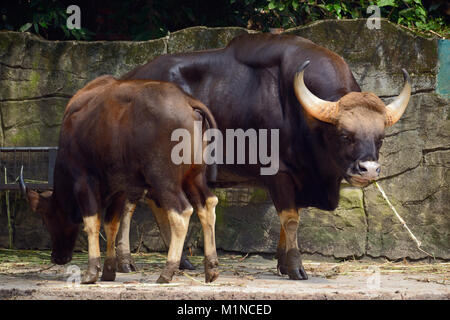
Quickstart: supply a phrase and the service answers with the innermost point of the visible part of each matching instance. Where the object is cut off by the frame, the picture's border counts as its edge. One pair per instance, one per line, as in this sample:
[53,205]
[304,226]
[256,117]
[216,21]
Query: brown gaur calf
[115,146]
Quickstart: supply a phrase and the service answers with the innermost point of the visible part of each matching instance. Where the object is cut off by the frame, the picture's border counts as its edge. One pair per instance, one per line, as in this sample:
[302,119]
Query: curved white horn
[396,108]
[23,186]
[323,110]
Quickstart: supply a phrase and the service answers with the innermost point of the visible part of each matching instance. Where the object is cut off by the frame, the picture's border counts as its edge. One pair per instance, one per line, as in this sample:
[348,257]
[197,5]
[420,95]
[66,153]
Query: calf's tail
[211,124]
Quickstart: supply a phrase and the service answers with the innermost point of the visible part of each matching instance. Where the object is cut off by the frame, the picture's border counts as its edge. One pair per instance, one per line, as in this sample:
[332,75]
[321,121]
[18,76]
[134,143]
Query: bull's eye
[347,138]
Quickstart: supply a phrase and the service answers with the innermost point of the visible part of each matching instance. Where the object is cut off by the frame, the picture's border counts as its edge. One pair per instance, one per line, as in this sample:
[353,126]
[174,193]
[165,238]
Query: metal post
[51,166]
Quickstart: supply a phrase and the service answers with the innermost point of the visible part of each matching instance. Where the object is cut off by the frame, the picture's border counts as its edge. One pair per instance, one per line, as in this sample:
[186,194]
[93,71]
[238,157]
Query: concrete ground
[28,275]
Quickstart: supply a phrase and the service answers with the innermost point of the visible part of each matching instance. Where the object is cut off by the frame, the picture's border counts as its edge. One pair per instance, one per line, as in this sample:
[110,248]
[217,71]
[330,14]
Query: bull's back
[242,81]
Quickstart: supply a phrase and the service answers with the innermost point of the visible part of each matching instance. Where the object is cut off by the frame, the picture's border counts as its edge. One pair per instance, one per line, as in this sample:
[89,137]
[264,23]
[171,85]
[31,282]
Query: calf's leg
[125,262]
[178,209]
[179,222]
[112,222]
[207,216]
[92,229]
[205,203]
[164,228]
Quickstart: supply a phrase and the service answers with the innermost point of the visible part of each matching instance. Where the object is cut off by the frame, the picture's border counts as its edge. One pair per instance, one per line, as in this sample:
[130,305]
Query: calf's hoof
[294,267]
[92,272]
[163,279]
[109,270]
[125,264]
[211,275]
[168,272]
[90,277]
[211,270]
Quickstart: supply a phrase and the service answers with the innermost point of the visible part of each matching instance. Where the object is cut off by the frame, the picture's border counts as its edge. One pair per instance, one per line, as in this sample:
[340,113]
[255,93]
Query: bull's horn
[323,110]
[23,186]
[396,108]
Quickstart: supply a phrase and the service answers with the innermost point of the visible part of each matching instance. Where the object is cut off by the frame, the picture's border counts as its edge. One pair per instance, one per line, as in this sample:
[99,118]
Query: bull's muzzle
[369,170]
[362,173]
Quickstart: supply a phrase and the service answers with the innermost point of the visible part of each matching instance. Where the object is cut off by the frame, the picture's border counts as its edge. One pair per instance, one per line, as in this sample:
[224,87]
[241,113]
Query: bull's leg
[293,264]
[281,253]
[125,262]
[112,222]
[92,228]
[282,191]
[179,222]
[164,229]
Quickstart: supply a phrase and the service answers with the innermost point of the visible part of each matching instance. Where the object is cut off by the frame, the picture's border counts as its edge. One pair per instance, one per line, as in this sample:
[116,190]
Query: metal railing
[38,166]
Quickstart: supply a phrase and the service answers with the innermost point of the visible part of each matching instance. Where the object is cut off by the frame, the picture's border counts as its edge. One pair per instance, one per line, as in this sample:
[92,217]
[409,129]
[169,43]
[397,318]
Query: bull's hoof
[125,264]
[295,269]
[109,270]
[281,265]
[298,274]
[92,272]
[303,273]
[211,270]
[185,264]
[281,270]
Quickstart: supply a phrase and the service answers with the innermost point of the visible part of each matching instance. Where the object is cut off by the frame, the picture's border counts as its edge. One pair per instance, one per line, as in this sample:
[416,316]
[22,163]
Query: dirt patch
[28,275]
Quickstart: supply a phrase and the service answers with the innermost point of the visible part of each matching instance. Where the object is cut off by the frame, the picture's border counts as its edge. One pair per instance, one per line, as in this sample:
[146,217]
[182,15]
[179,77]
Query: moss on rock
[202,38]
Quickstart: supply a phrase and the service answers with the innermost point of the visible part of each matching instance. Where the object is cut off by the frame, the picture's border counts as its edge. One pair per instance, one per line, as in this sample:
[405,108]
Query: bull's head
[63,233]
[358,121]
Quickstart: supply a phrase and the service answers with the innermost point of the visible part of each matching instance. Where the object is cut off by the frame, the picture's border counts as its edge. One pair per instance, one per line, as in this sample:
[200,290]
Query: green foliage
[290,13]
[144,19]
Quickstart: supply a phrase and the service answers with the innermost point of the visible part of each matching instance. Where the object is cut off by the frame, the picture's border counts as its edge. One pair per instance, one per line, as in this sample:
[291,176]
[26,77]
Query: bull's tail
[211,123]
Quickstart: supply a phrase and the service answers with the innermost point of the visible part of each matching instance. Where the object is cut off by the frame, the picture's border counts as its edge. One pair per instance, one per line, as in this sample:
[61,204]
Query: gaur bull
[114,146]
[329,129]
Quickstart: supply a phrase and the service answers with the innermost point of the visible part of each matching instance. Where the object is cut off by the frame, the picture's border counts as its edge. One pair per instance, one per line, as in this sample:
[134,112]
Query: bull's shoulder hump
[266,50]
